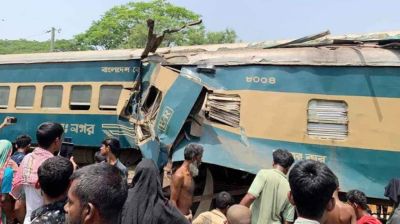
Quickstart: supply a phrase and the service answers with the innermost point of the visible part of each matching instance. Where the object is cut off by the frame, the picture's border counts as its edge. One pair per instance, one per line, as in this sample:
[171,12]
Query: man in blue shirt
[22,143]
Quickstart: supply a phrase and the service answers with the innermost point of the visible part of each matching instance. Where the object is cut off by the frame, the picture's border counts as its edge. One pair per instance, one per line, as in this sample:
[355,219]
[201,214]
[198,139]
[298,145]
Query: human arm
[254,191]
[20,210]
[5,122]
[288,213]
[176,187]
[247,200]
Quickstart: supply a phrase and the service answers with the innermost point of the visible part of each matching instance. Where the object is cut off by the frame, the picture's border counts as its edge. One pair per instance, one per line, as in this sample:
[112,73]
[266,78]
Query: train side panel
[274,113]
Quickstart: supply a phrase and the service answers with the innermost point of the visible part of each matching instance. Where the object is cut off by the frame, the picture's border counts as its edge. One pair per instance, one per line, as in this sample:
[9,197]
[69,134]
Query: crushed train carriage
[332,99]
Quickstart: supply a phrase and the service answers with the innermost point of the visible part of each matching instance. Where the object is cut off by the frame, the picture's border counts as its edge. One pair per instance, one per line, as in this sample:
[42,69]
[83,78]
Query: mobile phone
[67,148]
[12,119]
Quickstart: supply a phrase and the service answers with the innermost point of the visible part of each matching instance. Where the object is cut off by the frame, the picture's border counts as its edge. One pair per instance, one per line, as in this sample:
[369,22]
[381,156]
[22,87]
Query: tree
[30,46]
[125,27]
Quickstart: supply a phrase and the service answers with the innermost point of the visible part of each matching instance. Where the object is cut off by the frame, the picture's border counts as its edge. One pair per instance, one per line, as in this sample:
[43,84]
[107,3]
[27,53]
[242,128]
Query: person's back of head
[283,158]
[54,174]
[193,150]
[357,199]
[238,214]
[23,141]
[101,187]
[47,133]
[223,201]
[114,145]
[312,185]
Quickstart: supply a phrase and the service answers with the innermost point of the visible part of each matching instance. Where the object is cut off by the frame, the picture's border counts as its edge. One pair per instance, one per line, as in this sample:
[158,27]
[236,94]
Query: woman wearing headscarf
[146,202]
[6,173]
[392,191]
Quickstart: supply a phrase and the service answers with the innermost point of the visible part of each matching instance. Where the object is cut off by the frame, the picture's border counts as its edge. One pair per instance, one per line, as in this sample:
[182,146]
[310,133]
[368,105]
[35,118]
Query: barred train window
[52,96]
[4,94]
[327,119]
[80,97]
[25,97]
[109,96]
[223,108]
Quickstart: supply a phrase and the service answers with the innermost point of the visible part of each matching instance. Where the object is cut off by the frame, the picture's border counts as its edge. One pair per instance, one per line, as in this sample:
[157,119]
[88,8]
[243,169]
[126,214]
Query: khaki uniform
[212,217]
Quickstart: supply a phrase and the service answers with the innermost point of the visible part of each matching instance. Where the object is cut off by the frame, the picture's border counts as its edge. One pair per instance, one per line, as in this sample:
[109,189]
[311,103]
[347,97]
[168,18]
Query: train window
[109,96]
[152,100]
[327,119]
[52,96]
[25,97]
[80,97]
[223,108]
[4,94]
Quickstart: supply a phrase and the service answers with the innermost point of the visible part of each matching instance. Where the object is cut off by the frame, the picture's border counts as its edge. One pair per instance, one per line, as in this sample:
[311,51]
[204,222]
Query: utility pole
[53,35]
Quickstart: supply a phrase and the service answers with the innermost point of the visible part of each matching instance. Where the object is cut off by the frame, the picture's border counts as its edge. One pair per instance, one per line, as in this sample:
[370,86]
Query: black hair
[48,132]
[358,197]
[114,145]
[312,184]
[23,141]
[223,200]
[102,185]
[192,150]
[283,157]
[54,174]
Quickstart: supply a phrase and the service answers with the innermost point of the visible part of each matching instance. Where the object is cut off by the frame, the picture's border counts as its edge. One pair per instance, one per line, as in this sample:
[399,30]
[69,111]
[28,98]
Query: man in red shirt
[358,201]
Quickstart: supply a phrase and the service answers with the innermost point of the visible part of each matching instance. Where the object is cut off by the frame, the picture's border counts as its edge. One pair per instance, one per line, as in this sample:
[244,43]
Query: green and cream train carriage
[336,100]
[80,90]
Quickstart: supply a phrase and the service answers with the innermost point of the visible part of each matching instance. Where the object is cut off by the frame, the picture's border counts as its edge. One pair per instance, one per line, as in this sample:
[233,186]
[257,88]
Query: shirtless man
[182,186]
[342,213]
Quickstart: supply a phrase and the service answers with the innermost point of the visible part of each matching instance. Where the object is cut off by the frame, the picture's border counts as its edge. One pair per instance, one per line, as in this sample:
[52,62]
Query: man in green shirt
[268,192]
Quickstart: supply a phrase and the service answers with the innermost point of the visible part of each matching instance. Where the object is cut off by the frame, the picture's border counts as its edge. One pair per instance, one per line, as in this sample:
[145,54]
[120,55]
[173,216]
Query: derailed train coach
[331,99]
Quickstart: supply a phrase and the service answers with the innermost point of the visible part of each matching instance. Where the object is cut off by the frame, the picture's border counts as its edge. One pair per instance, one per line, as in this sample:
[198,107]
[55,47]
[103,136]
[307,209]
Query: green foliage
[227,36]
[27,46]
[125,27]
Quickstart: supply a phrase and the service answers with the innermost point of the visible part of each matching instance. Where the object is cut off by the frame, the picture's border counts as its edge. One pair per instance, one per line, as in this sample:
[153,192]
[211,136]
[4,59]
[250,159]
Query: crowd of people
[41,187]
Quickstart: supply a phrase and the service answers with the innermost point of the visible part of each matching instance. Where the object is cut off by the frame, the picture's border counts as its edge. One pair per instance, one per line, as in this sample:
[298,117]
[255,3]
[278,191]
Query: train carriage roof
[374,49]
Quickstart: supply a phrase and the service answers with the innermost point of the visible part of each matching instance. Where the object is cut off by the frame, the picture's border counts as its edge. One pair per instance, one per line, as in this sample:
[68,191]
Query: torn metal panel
[175,108]
[302,40]
[336,55]
[223,108]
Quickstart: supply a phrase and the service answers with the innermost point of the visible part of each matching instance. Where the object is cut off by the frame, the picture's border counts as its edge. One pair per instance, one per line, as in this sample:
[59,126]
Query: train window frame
[59,98]
[80,105]
[105,106]
[327,119]
[7,99]
[24,107]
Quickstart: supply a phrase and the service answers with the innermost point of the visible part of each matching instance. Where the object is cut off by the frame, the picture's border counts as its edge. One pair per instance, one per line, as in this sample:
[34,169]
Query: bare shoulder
[178,175]
[347,208]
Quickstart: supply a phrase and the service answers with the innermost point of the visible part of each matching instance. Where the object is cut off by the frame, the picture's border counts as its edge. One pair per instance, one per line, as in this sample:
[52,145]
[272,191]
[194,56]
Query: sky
[253,20]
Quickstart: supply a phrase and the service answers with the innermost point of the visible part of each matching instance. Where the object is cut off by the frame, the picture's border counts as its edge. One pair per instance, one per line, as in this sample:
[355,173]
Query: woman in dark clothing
[146,202]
